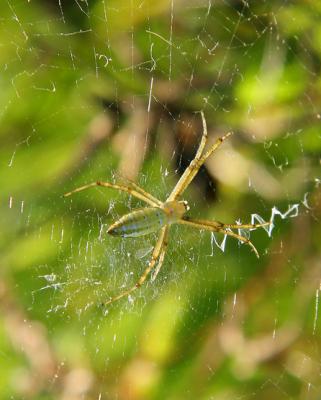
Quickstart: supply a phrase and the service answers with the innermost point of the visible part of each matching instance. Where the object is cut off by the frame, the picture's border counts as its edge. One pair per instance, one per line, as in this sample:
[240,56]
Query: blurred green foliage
[90,89]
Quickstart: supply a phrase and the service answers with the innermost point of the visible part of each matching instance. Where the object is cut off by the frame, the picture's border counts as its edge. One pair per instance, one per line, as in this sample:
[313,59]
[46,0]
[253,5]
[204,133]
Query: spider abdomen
[139,223]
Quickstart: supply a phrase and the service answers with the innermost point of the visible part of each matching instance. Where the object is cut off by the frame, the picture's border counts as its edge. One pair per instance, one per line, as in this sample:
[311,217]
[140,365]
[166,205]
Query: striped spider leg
[225,229]
[197,162]
[131,189]
[160,215]
[158,253]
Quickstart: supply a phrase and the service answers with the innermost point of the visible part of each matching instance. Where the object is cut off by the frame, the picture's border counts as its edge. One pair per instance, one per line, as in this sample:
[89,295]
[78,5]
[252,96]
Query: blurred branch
[29,337]
[133,140]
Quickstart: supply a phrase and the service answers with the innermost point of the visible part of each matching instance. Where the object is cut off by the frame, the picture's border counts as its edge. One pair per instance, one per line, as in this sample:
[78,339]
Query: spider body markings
[148,220]
[161,215]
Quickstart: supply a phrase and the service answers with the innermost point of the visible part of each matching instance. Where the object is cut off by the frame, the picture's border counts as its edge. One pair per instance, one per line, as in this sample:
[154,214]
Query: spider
[161,215]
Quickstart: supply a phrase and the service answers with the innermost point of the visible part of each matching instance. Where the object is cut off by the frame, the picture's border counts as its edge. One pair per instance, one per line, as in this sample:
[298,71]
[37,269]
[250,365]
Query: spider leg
[196,163]
[161,256]
[131,184]
[245,226]
[146,194]
[241,238]
[221,225]
[198,154]
[215,226]
[142,195]
[156,253]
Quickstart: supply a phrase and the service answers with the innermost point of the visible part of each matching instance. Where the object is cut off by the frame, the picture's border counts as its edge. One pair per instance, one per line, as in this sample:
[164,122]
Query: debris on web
[219,245]
[291,212]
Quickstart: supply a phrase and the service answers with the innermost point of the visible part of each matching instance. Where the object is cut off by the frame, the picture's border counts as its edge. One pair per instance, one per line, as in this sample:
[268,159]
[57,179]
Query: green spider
[161,215]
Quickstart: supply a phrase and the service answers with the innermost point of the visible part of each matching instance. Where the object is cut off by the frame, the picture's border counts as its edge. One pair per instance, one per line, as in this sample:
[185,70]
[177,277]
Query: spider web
[101,89]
